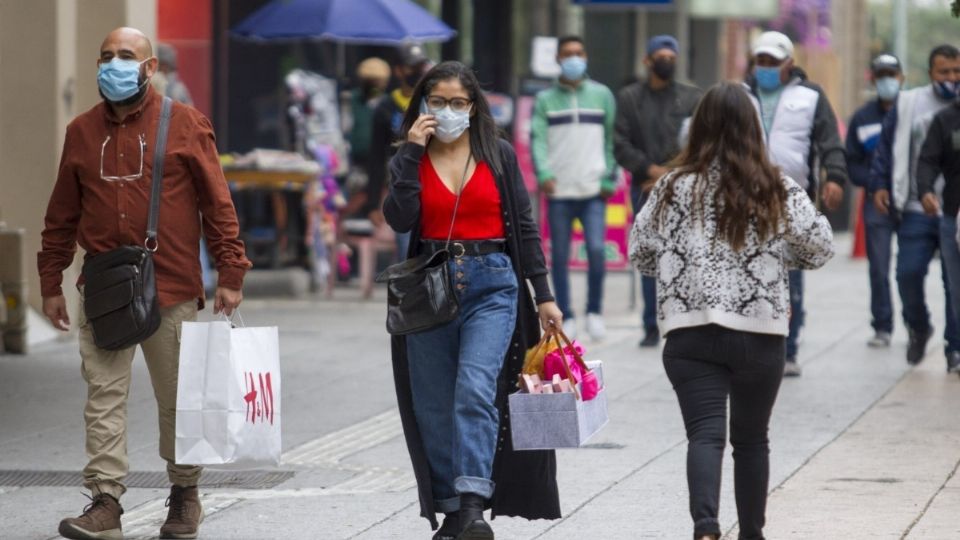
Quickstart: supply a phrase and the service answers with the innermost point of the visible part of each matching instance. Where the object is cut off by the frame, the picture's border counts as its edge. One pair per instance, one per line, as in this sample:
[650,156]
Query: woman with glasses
[719,233]
[454,178]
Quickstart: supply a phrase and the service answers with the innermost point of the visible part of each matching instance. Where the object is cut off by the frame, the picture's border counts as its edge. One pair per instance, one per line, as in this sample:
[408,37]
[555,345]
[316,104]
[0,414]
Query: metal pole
[683,38]
[900,32]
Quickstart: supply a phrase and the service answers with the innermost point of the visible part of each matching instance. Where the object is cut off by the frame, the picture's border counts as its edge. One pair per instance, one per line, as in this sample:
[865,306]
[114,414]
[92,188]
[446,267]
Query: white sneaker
[595,326]
[879,340]
[570,327]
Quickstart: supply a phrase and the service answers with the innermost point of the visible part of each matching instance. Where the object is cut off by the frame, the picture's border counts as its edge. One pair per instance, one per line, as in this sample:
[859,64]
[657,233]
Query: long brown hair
[725,133]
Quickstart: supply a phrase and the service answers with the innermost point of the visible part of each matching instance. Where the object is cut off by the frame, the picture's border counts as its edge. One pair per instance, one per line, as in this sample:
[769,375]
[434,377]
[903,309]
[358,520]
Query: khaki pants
[108,385]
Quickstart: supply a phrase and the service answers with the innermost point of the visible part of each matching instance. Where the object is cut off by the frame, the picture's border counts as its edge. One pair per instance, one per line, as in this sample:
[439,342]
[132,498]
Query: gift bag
[564,420]
[228,396]
[567,361]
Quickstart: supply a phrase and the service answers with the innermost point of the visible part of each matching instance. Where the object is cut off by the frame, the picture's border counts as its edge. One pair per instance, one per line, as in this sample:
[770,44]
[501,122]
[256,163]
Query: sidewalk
[862,445]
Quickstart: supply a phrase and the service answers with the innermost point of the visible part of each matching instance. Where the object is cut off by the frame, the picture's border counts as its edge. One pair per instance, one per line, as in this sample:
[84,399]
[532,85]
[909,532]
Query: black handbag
[420,295]
[120,290]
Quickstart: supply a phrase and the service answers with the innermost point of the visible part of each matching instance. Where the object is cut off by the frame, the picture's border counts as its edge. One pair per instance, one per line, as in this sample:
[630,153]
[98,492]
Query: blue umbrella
[374,22]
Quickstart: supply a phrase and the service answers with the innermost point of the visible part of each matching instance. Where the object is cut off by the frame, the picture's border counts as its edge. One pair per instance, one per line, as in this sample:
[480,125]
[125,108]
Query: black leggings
[706,365]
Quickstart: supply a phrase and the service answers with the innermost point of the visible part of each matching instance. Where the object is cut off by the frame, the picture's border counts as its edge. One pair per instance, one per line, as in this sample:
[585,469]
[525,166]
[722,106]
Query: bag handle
[157,175]
[573,350]
[566,364]
[463,180]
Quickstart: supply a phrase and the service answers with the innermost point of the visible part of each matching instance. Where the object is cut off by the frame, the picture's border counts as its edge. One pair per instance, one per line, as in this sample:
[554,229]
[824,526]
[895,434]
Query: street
[862,445]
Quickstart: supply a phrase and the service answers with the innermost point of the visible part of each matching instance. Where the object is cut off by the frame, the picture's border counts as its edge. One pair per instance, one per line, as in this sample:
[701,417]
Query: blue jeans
[879,233]
[592,214]
[918,238]
[797,315]
[453,377]
[950,255]
[402,241]
[206,271]
[649,286]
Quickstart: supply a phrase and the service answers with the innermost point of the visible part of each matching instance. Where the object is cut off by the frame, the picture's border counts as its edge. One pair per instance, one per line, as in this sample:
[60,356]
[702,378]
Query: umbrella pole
[341,62]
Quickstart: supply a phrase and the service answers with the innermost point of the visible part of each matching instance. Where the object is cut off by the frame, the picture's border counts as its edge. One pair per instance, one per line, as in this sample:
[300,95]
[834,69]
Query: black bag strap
[157,178]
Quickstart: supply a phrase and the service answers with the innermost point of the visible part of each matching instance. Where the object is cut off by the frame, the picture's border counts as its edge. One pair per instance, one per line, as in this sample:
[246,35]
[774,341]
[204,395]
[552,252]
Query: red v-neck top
[479,217]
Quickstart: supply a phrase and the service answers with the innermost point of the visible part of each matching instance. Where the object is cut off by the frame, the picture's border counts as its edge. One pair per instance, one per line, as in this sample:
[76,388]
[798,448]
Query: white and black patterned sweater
[702,280]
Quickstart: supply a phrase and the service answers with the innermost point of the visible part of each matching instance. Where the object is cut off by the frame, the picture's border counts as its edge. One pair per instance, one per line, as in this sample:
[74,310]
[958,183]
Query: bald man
[100,201]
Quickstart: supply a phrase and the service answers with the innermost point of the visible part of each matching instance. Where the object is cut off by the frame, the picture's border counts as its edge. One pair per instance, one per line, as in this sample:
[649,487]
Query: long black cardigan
[526,483]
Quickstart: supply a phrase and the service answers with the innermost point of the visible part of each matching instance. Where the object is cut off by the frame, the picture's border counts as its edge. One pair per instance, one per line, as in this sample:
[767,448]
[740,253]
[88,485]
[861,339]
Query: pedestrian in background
[650,116]
[453,380]
[410,65]
[893,178]
[101,201]
[373,75]
[167,79]
[863,134]
[719,232]
[572,146]
[940,156]
[800,130]
[167,82]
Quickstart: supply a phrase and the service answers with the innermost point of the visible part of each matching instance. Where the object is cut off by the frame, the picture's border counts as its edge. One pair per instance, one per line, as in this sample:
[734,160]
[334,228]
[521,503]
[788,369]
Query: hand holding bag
[420,295]
[120,290]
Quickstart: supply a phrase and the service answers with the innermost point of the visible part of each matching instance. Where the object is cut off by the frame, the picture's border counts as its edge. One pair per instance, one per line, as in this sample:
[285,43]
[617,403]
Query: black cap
[412,55]
[885,62]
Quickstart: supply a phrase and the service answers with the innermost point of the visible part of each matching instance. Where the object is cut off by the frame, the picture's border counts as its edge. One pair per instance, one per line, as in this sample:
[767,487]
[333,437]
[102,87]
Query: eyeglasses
[457,104]
[129,177]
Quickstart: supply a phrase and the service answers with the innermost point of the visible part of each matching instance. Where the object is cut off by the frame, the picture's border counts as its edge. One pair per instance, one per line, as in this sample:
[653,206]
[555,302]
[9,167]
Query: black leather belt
[460,248]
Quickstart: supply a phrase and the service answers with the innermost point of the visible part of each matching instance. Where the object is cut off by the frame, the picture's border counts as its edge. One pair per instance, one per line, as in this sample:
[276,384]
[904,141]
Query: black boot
[450,527]
[471,518]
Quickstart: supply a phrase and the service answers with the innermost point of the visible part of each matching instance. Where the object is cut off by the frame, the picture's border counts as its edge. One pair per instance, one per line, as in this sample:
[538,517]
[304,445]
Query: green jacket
[572,139]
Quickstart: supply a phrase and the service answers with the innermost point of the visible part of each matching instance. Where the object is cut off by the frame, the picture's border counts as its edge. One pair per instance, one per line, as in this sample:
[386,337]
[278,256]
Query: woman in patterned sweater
[720,233]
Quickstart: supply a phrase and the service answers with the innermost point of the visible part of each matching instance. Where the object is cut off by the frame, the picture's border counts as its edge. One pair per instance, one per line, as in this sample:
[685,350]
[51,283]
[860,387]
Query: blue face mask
[888,88]
[947,89]
[572,68]
[768,78]
[450,123]
[119,79]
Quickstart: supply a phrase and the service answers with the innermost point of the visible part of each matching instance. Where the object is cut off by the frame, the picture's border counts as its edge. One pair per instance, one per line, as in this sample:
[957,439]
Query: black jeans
[707,364]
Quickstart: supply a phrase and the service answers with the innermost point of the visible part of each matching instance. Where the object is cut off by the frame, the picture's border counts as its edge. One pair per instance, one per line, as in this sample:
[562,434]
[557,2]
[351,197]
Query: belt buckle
[453,249]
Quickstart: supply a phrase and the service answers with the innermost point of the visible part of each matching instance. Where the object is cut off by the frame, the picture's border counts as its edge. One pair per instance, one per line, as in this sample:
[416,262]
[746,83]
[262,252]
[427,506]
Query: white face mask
[450,124]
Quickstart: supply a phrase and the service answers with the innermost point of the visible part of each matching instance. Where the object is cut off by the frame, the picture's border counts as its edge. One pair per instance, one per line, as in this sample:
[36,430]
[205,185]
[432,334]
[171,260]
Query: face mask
[768,78]
[119,79]
[412,79]
[450,124]
[664,68]
[947,89]
[572,68]
[888,88]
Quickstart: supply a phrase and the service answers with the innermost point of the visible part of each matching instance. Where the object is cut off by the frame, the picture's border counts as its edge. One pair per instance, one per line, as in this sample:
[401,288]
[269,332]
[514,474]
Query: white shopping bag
[228,396]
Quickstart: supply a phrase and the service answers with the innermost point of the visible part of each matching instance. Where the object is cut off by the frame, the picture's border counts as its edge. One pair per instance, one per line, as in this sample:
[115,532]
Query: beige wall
[48,52]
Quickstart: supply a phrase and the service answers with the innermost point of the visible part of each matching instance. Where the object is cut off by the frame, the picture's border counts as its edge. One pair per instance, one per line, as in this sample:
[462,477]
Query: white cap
[775,44]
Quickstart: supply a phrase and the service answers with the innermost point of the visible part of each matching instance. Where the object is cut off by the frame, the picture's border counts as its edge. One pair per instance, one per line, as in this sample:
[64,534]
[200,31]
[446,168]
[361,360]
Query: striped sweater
[572,139]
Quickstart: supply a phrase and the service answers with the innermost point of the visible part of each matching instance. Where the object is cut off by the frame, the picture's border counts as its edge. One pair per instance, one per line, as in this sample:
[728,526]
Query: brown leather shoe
[184,515]
[100,521]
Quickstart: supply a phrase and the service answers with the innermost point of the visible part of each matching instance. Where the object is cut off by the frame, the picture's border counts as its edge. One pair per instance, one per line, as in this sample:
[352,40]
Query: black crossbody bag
[420,295]
[120,291]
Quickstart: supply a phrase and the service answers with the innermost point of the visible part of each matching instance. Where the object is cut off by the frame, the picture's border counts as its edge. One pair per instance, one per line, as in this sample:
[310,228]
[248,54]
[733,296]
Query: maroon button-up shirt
[101,215]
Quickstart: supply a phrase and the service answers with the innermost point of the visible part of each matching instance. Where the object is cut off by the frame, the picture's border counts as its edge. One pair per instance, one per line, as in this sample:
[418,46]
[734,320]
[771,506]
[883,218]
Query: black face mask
[664,68]
[410,80]
[369,89]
